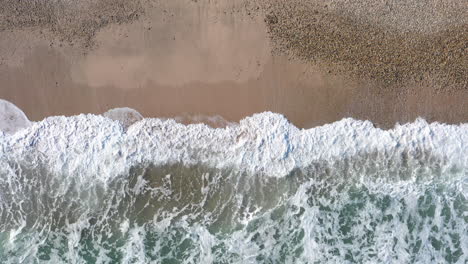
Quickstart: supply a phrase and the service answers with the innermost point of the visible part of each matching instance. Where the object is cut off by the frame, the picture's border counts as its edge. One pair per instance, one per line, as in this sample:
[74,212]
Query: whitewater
[91,189]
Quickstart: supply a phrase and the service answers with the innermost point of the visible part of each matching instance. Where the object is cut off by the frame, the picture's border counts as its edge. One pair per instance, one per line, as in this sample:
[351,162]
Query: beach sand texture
[313,61]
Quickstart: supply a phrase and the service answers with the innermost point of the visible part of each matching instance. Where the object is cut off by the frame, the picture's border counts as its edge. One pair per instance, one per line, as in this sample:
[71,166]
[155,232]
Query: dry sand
[314,61]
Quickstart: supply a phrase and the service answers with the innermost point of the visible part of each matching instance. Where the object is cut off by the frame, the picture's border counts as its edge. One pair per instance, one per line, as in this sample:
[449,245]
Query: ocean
[85,189]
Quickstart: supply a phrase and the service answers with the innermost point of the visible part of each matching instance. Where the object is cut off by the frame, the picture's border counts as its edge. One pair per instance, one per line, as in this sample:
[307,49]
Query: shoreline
[207,59]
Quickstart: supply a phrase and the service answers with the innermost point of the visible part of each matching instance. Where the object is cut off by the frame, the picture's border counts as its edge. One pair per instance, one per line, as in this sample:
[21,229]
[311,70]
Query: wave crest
[265,143]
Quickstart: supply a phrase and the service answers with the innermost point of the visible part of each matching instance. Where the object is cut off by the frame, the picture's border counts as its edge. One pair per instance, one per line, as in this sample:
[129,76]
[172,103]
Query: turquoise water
[369,208]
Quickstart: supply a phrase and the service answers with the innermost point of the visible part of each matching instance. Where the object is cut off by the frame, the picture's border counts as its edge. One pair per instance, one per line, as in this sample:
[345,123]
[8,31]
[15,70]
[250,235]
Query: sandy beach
[336,131]
[315,62]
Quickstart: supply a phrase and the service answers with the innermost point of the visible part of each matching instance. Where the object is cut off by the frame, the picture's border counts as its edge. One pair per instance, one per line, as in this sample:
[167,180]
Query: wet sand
[227,58]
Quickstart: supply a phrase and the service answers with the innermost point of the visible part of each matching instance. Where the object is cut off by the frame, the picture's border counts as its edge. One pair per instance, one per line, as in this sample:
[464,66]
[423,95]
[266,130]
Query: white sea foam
[215,121]
[82,187]
[266,143]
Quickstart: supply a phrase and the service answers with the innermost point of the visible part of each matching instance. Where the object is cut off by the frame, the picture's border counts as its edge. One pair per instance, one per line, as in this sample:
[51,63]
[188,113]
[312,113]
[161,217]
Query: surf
[89,188]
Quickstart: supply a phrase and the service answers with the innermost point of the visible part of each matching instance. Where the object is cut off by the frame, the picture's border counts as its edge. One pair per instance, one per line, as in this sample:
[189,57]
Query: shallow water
[398,203]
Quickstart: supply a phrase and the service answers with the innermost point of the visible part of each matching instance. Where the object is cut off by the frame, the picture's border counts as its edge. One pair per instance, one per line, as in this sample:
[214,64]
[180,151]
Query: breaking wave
[86,189]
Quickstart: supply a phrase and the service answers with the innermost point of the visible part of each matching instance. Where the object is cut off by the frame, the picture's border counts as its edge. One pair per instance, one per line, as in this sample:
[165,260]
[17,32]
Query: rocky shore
[393,43]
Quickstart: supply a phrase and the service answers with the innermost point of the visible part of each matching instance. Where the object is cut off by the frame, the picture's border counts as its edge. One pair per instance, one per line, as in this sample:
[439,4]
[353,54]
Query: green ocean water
[371,208]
